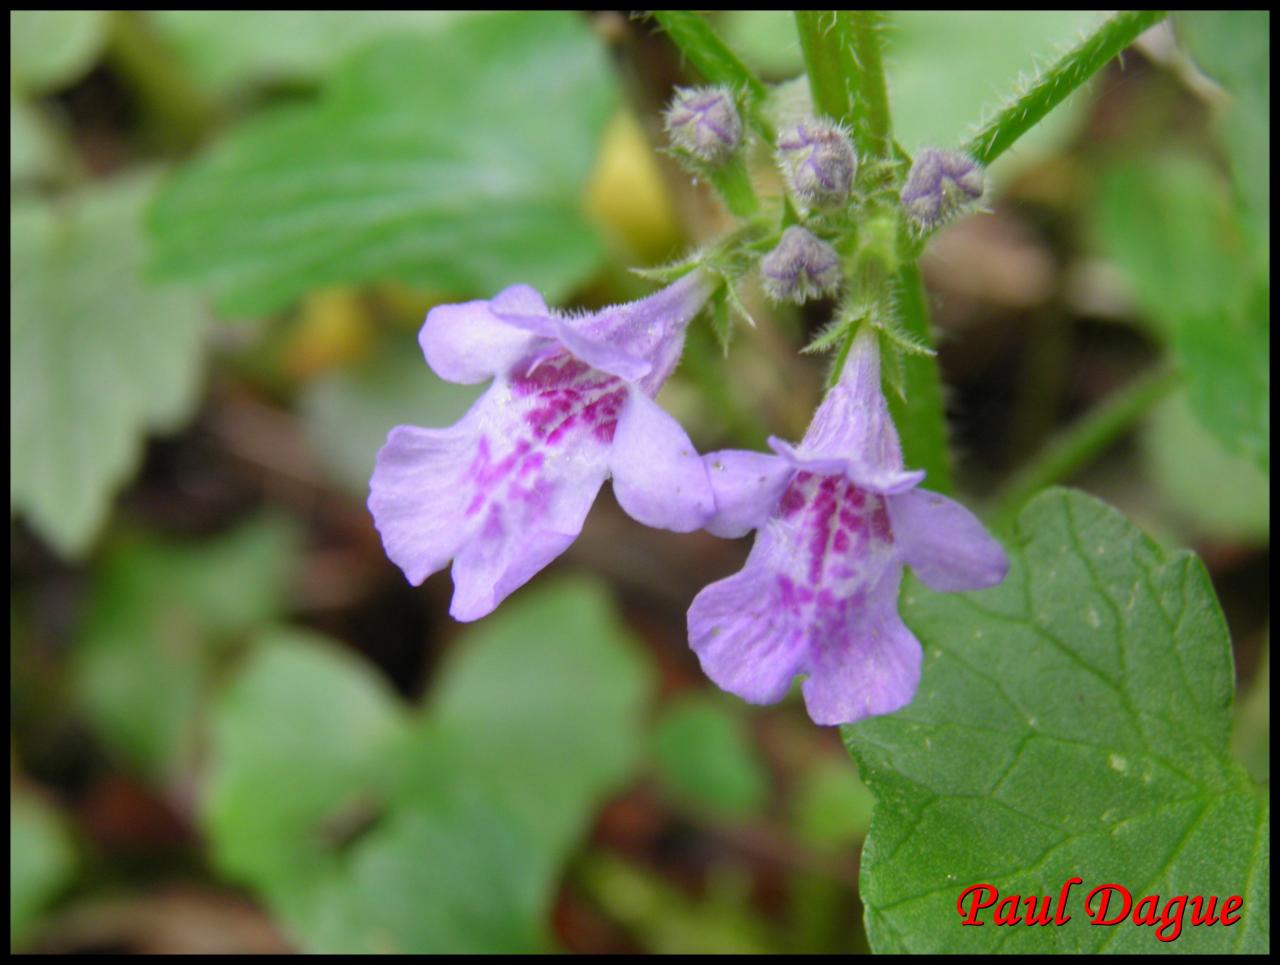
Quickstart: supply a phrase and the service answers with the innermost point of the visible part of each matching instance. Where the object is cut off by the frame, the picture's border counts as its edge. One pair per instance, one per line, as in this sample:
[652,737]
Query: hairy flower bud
[704,123]
[939,185]
[801,267]
[819,163]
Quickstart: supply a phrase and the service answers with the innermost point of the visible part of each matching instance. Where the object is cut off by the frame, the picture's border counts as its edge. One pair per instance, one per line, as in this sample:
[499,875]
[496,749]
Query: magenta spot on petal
[880,523]
[841,541]
[792,500]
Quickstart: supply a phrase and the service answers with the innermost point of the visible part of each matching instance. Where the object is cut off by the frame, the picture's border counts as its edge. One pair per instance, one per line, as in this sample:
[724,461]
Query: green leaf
[454,162]
[1169,225]
[49,49]
[32,151]
[347,414]
[225,49]
[705,756]
[1073,721]
[1234,47]
[297,738]
[543,706]
[166,611]
[1217,494]
[368,828]
[41,860]
[831,805]
[96,358]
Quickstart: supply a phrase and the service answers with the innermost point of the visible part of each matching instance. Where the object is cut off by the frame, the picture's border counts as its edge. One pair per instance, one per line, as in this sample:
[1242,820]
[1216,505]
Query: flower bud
[819,163]
[704,123]
[801,267]
[939,185]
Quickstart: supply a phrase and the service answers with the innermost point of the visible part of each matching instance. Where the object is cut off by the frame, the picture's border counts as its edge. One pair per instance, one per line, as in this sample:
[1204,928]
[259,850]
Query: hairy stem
[1054,84]
[826,52]
[1078,445]
[872,131]
[919,417]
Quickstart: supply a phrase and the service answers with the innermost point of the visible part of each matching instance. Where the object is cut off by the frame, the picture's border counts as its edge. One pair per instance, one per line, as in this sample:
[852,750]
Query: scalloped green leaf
[369,827]
[455,162]
[1073,721]
[97,359]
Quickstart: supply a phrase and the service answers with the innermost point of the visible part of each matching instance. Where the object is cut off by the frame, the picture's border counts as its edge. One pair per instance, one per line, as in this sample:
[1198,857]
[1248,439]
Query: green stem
[1053,85]
[872,131]
[713,59]
[825,47]
[919,417]
[1078,445]
[734,184]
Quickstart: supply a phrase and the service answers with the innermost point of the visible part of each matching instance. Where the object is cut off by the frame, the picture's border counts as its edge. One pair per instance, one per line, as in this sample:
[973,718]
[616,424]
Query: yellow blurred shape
[334,329]
[627,195]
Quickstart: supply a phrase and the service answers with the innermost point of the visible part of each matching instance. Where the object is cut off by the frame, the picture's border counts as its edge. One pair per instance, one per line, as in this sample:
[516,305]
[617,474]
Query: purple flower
[704,122]
[837,517]
[939,184]
[505,491]
[818,162]
[802,266]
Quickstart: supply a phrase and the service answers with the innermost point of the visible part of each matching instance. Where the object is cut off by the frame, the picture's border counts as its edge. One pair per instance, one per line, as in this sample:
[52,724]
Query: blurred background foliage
[235,728]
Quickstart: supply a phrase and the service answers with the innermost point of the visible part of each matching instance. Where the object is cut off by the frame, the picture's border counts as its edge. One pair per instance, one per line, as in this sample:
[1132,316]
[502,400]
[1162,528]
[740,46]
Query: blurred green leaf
[41,860]
[945,66]
[667,921]
[299,736]
[1169,225]
[1073,721]
[96,358]
[347,414]
[541,708]
[704,756]
[1218,494]
[370,830]
[49,49]
[225,49]
[452,162]
[831,805]
[1234,48]
[159,616]
[31,149]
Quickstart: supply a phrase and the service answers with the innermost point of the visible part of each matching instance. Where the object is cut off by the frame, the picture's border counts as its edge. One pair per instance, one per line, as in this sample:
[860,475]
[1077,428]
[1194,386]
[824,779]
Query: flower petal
[469,343]
[945,544]
[883,481]
[516,542]
[417,506]
[658,477]
[853,423]
[747,486]
[864,661]
[747,639]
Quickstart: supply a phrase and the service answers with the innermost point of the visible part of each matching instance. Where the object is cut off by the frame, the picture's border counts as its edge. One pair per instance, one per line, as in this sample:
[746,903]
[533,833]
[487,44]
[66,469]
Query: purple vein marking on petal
[559,396]
[835,529]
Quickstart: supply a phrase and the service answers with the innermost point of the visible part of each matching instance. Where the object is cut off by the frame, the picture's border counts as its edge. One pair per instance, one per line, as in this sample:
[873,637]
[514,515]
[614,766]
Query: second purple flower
[837,518]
